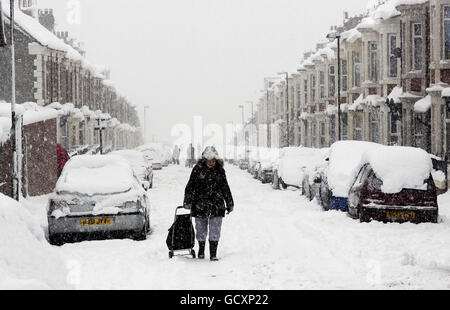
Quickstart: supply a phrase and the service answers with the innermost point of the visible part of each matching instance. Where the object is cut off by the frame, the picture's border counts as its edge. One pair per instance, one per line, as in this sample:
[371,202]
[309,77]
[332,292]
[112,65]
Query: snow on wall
[423,105]
[27,261]
[32,113]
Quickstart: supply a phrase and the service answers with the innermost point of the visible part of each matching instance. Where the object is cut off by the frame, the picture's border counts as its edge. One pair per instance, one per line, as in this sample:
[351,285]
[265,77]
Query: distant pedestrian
[209,197]
[176,155]
[190,156]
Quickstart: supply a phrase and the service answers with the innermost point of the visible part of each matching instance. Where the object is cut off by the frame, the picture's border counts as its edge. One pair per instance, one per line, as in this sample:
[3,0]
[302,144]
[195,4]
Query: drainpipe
[427,74]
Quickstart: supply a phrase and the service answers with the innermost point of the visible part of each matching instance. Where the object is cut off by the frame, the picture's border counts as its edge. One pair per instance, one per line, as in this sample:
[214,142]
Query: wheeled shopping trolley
[181,235]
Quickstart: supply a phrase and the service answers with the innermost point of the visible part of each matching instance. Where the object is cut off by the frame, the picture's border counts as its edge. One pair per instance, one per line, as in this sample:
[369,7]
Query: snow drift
[27,261]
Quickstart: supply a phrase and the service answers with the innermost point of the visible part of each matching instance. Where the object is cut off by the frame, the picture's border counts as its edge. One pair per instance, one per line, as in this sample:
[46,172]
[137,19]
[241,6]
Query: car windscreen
[106,179]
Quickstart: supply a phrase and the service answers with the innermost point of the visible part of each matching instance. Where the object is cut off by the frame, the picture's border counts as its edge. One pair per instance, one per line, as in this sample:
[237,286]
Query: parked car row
[376,182]
[369,181]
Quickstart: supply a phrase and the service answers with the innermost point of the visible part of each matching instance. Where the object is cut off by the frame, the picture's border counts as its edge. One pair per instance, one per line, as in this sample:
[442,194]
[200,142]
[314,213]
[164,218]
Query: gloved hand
[188,207]
[230,209]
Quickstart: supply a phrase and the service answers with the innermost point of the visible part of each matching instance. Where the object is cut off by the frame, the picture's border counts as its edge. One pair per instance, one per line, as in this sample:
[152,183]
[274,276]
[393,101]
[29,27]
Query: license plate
[95,221]
[401,215]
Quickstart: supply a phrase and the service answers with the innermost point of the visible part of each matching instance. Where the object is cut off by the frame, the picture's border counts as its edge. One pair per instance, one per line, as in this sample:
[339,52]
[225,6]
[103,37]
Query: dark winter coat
[208,191]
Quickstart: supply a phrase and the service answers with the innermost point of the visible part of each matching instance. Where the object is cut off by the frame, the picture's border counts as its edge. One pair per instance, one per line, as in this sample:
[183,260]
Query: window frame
[413,42]
[322,83]
[391,55]
[331,81]
[358,129]
[344,75]
[444,20]
[373,61]
[356,69]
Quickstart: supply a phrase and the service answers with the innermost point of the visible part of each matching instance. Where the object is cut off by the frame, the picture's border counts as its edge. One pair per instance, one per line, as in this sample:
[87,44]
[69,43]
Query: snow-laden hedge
[27,261]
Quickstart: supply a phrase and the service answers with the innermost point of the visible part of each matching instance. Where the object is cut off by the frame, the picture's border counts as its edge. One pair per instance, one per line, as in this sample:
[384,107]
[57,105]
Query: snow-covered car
[253,165]
[98,196]
[313,172]
[395,185]
[334,181]
[292,163]
[153,157]
[440,174]
[141,166]
[154,154]
[265,173]
[243,164]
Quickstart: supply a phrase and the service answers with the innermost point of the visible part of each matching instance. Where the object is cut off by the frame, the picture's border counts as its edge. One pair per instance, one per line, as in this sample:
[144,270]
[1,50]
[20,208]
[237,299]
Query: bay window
[417,47]
[447,32]
[344,75]
[322,84]
[356,69]
[331,82]
[393,60]
[373,65]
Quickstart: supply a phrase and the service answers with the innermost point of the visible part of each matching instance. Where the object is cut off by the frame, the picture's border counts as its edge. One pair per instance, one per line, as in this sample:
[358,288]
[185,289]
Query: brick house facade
[40,164]
[380,88]
[48,74]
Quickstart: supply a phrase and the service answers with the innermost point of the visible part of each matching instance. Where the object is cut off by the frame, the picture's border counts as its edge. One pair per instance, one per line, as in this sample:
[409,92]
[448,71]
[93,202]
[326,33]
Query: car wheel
[283,185]
[56,241]
[275,183]
[363,218]
[171,254]
[147,225]
[141,235]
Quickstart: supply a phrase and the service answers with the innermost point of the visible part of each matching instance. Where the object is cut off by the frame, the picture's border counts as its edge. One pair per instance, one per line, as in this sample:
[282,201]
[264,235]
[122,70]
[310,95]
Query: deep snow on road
[273,240]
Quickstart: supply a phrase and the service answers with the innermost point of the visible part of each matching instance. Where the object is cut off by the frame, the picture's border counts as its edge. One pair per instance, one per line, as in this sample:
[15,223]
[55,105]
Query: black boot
[213,250]
[201,249]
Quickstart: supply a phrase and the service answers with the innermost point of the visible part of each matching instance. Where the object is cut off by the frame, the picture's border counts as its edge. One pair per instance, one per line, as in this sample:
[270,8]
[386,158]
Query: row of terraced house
[54,78]
[395,74]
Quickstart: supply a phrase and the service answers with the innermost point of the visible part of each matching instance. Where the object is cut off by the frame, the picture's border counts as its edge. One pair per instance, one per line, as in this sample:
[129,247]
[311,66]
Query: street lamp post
[100,126]
[287,106]
[253,119]
[267,119]
[332,37]
[145,123]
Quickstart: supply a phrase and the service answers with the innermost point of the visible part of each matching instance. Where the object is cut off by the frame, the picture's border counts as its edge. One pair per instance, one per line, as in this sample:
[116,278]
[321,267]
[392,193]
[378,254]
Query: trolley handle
[178,208]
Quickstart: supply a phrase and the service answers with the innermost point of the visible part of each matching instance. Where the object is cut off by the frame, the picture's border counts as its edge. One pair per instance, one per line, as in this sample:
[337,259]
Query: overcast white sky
[198,57]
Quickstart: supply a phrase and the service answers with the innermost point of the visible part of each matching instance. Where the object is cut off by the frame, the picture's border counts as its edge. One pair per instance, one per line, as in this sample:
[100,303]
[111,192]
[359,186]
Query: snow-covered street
[273,240]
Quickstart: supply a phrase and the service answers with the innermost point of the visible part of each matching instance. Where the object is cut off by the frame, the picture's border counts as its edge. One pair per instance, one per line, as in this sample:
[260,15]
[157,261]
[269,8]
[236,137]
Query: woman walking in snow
[208,196]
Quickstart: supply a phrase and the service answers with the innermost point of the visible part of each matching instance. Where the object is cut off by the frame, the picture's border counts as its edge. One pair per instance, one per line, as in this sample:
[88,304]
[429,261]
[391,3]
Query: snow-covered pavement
[273,240]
